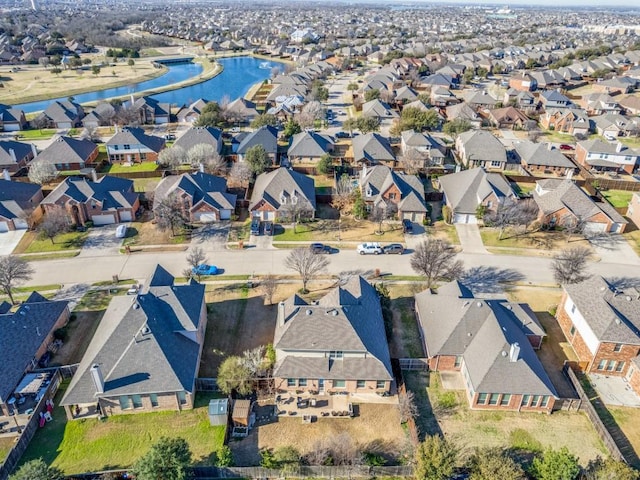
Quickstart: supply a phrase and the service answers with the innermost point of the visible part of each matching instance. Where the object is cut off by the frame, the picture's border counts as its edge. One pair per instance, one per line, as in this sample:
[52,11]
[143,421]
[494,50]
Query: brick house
[523,82]
[62,114]
[602,324]
[104,201]
[633,211]
[543,159]
[479,148]
[15,155]
[145,354]
[309,147]
[336,344]
[566,120]
[19,205]
[132,145]
[275,193]
[26,335]
[67,153]
[491,342]
[605,156]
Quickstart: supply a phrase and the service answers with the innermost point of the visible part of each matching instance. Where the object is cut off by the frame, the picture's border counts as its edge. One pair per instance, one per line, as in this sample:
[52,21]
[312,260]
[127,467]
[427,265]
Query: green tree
[359,208]
[435,459]
[168,459]
[492,463]
[482,72]
[352,87]
[268,459]
[350,124]
[368,124]
[324,164]
[131,62]
[257,158]
[372,94]
[287,457]
[291,128]
[224,457]
[609,469]
[456,127]
[555,465]
[264,119]
[413,118]
[233,374]
[95,69]
[211,116]
[37,470]
[56,71]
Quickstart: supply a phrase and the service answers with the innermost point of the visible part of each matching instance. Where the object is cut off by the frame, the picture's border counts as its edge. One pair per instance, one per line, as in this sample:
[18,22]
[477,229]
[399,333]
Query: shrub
[374,459]
[60,334]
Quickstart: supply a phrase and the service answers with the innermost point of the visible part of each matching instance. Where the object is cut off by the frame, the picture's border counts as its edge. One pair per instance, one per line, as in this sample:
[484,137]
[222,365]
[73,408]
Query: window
[302,382]
[573,308]
[496,163]
[525,400]
[154,399]
[611,365]
[536,400]
[336,354]
[458,361]
[493,399]
[619,367]
[339,384]
[572,332]
[617,348]
[504,401]
[124,402]
[392,196]
[291,382]
[602,364]
[482,399]
[381,384]
[137,401]
[182,397]
[360,384]
[545,401]
[127,147]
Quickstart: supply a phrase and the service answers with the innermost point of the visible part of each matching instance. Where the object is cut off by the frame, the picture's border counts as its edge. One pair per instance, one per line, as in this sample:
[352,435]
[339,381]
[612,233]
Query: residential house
[481,100]
[523,82]
[26,335]
[563,203]
[148,111]
[616,125]
[441,97]
[132,145]
[62,114]
[601,321]
[68,153]
[191,113]
[15,155]
[434,151]
[574,121]
[203,197]
[378,109]
[633,211]
[372,148]
[543,158]
[391,191]
[405,94]
[19,202]
[604,156]
[524,101]
[508,117]
[201,136]
[465,191]
[145,354]
[309,147]
[103,201]
[283,193]
[103,114]
[439,80]
[267,136]
[462,111]
[551,99]
[491,343]
[631,104]
[601,104]
[242,110]
[12,119]
[336,344]
[479,148]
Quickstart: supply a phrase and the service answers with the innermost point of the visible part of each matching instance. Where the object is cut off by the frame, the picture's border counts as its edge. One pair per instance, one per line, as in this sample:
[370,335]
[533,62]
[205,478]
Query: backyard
[618,198]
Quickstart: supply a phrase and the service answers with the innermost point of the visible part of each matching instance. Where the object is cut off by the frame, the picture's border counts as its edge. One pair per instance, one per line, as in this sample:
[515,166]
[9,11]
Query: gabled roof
[612,314]
[598,146]
[542,154]
[200,135]
[377,108]
[347,319]
[136,136]
[21,335]
[201,187]
[15,198]
[21,150]
[482,145]
[67,150]
[270,186]
[508,114]
[158,108]
[310,144]
[62,111]
[378,179]
[267,136]
[111,192]
[144,344]
[243,108]
[372,147]
[465,190]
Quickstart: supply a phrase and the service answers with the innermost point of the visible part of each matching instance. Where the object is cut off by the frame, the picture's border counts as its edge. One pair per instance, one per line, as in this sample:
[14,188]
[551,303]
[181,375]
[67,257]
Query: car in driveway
[341,135]
[204,269]
[255,227]
[268,228]
[368,248]
[407,225]
[320,248]
[566,146]
[393,248]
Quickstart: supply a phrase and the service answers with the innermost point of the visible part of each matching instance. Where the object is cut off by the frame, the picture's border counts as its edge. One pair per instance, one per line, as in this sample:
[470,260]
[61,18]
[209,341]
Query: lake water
[236,79]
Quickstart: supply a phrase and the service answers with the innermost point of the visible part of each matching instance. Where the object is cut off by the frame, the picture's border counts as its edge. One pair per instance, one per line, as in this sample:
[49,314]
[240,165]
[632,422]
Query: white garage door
[125,216]
[593,227]
[4,227]
[615,228]
[225,214]
[103,219]
[20,223]
[207,217]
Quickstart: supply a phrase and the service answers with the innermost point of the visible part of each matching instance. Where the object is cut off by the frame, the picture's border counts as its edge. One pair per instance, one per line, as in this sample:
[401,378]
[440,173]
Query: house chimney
[549,146]
[281,313]
[619,147]
[94,175]
[364,170]
[201,168]
[514,352]
[98,379]
[12,153]
[34,150]
[5,175]
[132,99]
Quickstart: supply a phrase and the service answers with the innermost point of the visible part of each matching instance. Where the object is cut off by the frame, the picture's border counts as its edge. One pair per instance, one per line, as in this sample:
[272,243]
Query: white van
[121,231]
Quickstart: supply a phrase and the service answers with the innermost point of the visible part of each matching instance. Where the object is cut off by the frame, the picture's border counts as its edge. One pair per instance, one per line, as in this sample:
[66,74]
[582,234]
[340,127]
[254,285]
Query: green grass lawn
[523,188]
[618,198]
[136,167]
[43,134]
[633,142]
[65,241]
[118,441]
[553,136]
[6,444]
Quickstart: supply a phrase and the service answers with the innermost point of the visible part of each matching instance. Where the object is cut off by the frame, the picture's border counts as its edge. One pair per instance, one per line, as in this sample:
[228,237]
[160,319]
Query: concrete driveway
[212,236]
[9,241]
[470,238]
[101,242]
[614,249]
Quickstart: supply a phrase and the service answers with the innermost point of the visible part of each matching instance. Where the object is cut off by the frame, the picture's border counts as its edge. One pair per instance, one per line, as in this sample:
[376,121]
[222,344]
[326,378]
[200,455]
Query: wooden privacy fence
[421,364]
[356,471]
[206,384]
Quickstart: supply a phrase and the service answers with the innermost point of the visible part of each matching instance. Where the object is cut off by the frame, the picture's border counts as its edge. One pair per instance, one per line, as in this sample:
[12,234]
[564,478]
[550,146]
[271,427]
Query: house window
[496,163]
[360,383]
[182,397]
[125,402]
[602,364]
[611,365]
[392,196]
[504,401]
[572,332]
[493,399]
[381,384]
[619,367]
[617,348]
[545,401]
[336,354]
[458,361]
[154,399]
[482,399]
[339,384]
[525,400]
[302,382]
[291,382]
[127,147]
[573,308]
[137,401]
[536,400]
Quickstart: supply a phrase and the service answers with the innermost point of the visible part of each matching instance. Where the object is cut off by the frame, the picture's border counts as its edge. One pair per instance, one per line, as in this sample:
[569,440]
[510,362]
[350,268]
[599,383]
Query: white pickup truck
[369,247]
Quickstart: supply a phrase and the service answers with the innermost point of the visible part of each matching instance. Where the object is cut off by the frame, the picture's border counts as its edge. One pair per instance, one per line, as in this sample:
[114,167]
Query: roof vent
[479,304]
[504,354]
[617,321]
[603,288]
[146,330]
[628,297]
[334,313]
[136,306]
[469,334]
[309,312]
[509,307]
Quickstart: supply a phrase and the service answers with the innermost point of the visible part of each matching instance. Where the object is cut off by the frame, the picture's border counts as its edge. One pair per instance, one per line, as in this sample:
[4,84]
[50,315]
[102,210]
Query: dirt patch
[79,333]
[377,427]
[628,419]
[405,338]
[145,232]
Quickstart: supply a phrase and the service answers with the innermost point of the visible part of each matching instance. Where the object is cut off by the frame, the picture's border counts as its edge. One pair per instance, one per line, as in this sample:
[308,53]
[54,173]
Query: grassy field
[522,188]
[405,338]
[350,230]
[30,243]
[535,243]
[553,136]
[628,419]
[117,442]
[136,167]
[43,134]
[618,198]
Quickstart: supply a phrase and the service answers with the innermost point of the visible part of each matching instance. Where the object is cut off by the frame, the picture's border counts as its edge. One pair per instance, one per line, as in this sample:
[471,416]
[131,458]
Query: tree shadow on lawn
[490,279]
[605,241]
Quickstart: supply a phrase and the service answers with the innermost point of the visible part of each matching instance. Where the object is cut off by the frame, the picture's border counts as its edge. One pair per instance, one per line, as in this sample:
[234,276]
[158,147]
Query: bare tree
[436,259]
[526,213]
[196,257]
[254,360]
[306,263]
[91,134]
[407,407]
[55,222]
[268,285]
[172,157]
[240,174]
[13,271]
[169,214]
[344,450]
[413,161]
[343,196]
[296,209]
[42,172]
[569,265]
[381,212]
[502,217]
[572,225]
[40,122]
[207,156]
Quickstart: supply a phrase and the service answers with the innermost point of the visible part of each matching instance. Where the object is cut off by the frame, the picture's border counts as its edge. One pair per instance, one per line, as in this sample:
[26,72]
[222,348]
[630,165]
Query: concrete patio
[336,406]
[614,390]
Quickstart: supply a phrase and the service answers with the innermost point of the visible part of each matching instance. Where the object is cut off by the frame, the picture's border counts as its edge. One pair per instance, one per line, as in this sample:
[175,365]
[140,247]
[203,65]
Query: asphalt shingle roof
[136,136]
[200,135]
[67,150]
[267,136]
[372,147]
[466,189]
[310,144]
[270,186]
[378,179]
[540,154]
[111,192]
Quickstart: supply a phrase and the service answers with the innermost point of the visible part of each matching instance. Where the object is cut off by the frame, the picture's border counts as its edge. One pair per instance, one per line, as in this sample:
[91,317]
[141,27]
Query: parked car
[255,227]
[121,231]
[204,269]
[268,228]
[407,225]
[320,248]
[393,248]
[369,248]
[342,135]
[565,146]
[169,136]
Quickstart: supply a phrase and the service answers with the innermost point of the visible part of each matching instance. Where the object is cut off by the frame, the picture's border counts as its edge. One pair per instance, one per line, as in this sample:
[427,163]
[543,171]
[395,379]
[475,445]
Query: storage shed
[241,413]
[218,411]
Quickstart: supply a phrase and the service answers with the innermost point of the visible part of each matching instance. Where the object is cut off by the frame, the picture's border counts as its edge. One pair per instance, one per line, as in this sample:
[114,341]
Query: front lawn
[118,441]
[539,241]
[633,237]
[44,134]
[350,230]
[553,136]
[125,168]
[617,198]
[31,243]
